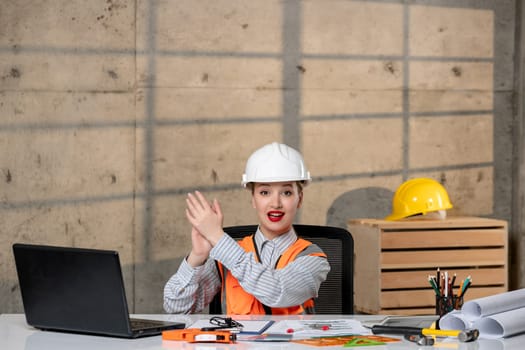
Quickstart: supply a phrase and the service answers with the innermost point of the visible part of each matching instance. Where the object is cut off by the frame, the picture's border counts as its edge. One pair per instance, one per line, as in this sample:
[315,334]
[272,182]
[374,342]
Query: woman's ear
[300,200]
[253,202]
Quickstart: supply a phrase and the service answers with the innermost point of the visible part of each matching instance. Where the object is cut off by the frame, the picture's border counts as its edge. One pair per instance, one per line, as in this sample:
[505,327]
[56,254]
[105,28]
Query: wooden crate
[394,258]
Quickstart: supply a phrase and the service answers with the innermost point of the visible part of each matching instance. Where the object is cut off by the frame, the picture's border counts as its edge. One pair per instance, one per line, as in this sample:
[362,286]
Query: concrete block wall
[112,110]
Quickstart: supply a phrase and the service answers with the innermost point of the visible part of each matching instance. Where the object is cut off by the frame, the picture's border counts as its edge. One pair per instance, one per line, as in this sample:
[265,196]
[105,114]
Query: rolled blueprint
[481,307]
[454,320]
[501,325]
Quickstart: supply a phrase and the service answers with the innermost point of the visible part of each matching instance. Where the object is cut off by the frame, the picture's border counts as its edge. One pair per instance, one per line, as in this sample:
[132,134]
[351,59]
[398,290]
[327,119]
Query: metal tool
[195,335]
[463,336]
[468,335]
[420,339]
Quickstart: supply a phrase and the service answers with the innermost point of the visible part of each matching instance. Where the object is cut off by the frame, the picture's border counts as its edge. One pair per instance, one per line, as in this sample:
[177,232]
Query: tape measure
[196,335]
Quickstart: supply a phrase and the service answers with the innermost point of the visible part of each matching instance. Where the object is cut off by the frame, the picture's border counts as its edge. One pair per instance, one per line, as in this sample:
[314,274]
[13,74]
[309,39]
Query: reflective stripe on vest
[236,301]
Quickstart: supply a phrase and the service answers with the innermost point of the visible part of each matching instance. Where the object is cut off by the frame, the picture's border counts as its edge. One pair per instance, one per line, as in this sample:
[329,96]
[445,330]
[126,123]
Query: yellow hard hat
[418,196]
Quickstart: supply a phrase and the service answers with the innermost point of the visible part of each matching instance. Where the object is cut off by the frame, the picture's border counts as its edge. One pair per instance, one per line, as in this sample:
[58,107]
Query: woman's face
[276,204]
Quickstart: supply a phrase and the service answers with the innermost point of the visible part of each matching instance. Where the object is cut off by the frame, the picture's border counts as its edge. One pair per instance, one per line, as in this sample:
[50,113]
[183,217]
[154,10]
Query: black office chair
[336,295]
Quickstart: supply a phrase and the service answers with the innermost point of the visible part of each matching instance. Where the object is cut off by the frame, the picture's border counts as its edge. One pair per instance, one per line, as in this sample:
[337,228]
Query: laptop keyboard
[141,324]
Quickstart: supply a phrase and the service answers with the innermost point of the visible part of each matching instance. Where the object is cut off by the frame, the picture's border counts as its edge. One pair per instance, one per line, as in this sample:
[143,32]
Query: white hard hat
[275,162]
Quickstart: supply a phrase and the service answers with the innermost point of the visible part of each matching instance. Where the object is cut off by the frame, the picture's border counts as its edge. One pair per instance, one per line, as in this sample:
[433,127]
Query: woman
[270,272]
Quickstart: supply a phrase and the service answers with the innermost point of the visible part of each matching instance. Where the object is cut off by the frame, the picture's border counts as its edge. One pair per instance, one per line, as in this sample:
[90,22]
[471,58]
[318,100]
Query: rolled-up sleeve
[190,290]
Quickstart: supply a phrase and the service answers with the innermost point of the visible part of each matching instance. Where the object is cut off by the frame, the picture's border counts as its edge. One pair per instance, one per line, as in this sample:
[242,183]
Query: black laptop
[78,290]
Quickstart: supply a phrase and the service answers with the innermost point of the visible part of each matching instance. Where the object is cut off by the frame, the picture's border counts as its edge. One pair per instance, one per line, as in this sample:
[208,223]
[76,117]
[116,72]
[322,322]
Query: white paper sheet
[501,325]
[493,304]
[313,328]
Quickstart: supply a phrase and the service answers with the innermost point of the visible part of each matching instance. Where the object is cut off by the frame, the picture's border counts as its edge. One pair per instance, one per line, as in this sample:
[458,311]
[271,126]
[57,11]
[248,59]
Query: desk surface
[15,334]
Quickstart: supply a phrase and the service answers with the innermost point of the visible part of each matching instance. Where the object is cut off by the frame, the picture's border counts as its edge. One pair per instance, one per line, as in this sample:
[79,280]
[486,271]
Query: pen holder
[446,304]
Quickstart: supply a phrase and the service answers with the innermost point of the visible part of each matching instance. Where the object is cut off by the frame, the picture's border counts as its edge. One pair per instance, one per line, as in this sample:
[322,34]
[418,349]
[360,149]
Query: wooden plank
[365,310]
[407,312]
[367,270]
[443,258]
[449,222]
[400,312]
[393,256]
[418,279]
[445,238]
[426,298]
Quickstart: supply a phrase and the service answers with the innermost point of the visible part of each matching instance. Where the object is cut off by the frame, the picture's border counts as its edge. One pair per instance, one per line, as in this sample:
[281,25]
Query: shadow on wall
[368,202]
[150,278]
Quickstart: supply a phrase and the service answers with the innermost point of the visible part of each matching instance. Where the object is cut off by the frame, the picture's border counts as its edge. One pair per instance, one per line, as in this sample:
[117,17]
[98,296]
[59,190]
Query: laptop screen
[72,289]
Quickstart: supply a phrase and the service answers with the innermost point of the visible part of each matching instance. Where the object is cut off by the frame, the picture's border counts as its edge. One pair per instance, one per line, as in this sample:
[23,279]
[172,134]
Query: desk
[15,334]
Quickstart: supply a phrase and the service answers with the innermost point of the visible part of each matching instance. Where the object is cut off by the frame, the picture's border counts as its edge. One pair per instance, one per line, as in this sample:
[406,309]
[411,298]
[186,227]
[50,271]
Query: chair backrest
[336,295]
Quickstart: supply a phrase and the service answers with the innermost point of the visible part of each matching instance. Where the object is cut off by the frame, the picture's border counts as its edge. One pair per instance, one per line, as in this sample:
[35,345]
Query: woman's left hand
[206,217]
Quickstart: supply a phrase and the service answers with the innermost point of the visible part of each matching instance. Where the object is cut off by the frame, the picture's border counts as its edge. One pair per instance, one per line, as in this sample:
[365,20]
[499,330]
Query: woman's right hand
[200,248]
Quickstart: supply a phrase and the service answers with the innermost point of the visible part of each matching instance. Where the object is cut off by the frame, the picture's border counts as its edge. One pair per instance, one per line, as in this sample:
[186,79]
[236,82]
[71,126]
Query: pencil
[433,284]
[466,284]
[438,279]
[460,289]
[446,283]
[452,285]
[453,280]
[466,287]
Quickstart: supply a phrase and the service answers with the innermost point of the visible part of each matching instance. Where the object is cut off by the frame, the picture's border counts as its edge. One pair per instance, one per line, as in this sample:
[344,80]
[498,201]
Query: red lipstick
[275,215]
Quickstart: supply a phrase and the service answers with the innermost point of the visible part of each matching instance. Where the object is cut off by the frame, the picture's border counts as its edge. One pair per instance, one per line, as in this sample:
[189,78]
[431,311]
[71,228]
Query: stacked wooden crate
[393,260]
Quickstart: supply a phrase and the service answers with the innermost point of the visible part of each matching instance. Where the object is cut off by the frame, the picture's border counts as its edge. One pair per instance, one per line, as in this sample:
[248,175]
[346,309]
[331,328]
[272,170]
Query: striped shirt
[190,290]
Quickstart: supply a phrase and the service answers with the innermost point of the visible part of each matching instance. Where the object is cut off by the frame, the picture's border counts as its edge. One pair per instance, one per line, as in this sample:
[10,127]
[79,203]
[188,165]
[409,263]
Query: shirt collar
[281,243]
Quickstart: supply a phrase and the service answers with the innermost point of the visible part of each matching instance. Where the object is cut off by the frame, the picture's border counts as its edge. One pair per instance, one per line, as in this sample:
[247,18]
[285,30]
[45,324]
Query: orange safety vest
[239,302]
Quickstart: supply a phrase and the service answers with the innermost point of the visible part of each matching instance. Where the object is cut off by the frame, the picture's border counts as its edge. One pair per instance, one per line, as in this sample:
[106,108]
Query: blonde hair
[251,186]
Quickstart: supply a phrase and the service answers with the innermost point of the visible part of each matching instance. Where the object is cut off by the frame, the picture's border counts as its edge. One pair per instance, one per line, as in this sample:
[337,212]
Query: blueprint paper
[501,325]
[497,316]
[454,320]
[493,304]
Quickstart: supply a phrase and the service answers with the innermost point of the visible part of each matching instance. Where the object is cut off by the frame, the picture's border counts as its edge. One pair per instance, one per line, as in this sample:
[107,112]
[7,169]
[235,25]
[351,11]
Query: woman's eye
[287,193]
[263,193]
